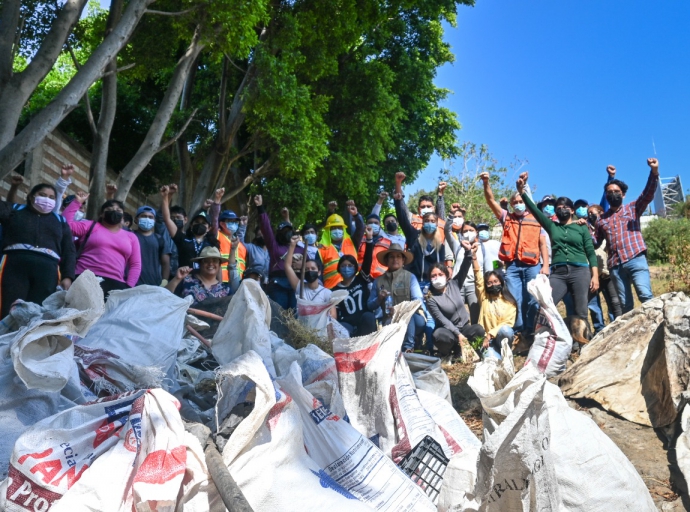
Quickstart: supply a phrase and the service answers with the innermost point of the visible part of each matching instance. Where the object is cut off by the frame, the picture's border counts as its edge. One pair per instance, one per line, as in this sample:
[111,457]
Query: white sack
[428,375]
[459,481]
[245,326]
[265,454]
[316,315]
[683,444]
[350,459]
[552,341]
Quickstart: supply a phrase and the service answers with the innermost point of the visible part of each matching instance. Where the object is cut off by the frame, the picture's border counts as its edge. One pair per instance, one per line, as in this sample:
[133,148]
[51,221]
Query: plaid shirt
[621,228]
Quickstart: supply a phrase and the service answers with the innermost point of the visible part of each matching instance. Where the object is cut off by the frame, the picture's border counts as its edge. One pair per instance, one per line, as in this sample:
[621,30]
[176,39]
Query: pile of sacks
[118,409]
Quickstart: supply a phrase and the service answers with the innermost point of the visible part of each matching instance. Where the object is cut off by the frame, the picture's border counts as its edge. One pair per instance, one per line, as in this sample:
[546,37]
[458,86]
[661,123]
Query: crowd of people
[470,286]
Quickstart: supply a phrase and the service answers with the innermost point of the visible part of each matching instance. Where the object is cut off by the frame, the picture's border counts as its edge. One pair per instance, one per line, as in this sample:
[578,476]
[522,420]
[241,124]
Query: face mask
[113,217]
[258,241]
[44,204]
[439,282]
[232,226]
[483,236]
[391,226]
[146,224]
[284,237]
[79,215]
[458,222]
[199,229]
[310,238]
[549,210]
[592,217]
[581,212]
[563,214]
[429,227]
[347,272]
[519,209]
[495,289]
[615,199]
[179,223]
[469,236]
[311,275]
[426,210]
[375,228]
[336,235]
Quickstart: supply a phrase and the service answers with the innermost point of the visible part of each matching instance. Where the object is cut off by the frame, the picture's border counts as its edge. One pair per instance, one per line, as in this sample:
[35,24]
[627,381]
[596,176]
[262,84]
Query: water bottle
[389,305]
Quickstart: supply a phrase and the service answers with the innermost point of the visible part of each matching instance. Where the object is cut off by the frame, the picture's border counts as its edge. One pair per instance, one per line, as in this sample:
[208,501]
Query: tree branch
[179,133]
[87,102]
[233,63]
[120,70]
[166,13]
[10,14]
[261,172]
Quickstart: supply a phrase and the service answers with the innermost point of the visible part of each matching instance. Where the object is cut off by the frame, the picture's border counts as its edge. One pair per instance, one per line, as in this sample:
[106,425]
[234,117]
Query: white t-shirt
[319,294]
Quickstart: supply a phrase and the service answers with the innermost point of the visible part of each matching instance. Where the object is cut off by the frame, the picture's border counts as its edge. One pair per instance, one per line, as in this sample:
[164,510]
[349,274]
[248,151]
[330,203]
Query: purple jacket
[276,251]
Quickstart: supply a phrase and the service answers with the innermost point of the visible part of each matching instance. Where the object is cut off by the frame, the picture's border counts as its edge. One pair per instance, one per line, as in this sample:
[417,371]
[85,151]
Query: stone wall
[44,163]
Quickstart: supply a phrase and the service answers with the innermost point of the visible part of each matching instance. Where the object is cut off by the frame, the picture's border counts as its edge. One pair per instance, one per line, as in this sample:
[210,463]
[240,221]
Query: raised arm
[450,239]
[652,182]
[359,225]
[61,185]
[465,265]
[79,228]
[265,227]
[289,271]
[611,171]
[489,196]
[401,211]
[165,210]
[376,210]
[538,214]
[365,271]
[15,183]
[214,210]
[440,202]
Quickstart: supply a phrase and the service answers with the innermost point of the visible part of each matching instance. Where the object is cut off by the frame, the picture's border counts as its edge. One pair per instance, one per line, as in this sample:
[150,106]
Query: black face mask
[258,241]
[614,198]
[284,237]
[311,275]
[199,229]
[495,289]
[592,217]
[563,214]
[113,217]
[179,223]
[391,226]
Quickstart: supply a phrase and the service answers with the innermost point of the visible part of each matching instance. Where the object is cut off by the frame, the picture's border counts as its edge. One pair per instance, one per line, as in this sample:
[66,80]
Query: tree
[465,187]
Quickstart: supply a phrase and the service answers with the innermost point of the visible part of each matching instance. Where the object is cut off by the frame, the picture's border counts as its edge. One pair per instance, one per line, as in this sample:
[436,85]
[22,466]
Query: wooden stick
[199,336]
[199,312]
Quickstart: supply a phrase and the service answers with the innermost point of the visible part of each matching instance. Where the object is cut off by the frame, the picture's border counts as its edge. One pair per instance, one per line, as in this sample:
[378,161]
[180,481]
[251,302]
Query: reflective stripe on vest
[377,269]
[330,258]
[240,256]
[520,240]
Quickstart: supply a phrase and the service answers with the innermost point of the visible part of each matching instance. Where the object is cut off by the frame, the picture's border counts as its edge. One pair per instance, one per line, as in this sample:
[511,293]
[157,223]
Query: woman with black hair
[498,311]
[37,243]
[573,261]
[106,249]
[353,313]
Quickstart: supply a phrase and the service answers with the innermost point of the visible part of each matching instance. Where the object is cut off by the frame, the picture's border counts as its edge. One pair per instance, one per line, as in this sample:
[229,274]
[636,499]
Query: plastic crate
[425,466]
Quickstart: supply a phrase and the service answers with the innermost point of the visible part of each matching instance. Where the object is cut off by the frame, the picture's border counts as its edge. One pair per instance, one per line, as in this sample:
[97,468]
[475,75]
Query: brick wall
[44,163]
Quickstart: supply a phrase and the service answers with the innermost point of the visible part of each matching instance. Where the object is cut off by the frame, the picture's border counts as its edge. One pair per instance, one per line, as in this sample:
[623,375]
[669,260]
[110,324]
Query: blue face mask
[146,224]
[581,212]
[549,210]
[347,272]
[519,208]
[336,234]
[483,236]
[375,228]
[232,226]
[429,227]
[310,238]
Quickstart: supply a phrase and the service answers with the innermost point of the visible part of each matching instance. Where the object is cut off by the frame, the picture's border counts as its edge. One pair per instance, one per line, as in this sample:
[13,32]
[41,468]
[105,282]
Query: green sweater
[571,244]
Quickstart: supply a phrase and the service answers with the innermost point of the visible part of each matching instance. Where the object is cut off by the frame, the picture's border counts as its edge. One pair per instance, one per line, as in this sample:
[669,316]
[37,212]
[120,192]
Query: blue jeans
[280,291]
[517,276]
[494,349]
[632,273]
[414,329]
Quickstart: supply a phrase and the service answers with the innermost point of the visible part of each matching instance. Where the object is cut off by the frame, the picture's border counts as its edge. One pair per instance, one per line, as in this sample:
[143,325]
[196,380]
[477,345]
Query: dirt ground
[650,450]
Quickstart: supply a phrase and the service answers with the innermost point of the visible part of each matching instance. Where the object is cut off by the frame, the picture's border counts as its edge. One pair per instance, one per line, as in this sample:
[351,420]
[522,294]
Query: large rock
[637,367]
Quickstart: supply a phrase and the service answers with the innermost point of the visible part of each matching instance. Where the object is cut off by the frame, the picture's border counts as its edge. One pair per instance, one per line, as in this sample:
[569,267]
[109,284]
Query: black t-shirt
[356,303]
[152,248]
[188,248]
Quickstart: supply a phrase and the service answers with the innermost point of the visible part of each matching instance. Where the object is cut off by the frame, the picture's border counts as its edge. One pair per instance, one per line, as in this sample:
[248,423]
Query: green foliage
[465,187]
[664,236]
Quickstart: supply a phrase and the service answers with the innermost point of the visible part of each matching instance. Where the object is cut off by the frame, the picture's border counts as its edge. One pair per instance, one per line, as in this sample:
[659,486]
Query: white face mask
[458,222]
[426,210]
[439,282]
[469,236]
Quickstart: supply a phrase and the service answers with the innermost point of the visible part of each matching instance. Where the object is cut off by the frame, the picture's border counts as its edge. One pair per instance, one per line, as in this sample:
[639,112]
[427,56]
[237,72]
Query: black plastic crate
[425,465]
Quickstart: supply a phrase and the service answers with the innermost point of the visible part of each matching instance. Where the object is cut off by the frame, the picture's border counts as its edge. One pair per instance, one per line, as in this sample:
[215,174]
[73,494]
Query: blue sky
[572,87]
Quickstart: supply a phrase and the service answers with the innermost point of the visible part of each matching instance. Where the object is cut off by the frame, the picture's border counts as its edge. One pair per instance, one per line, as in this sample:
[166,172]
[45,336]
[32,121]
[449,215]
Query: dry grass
[299,335]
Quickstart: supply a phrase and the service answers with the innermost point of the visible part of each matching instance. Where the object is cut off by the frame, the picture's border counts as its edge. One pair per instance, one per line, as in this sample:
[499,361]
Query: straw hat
[210,252]
[394,248]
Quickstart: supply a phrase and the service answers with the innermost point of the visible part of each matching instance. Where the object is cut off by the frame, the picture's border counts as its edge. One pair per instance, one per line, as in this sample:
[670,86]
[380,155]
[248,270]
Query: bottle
[389,305]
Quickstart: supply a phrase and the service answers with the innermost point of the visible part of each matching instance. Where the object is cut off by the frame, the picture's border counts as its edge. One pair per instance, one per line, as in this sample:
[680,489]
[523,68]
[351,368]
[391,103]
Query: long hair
[442,267]
[437,241]
[36,189]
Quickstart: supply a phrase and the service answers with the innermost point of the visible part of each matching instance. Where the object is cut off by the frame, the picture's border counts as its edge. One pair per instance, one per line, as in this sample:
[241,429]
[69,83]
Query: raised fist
[218,195]
[16,180]
[207,204]
[81,197]
[183,272]
[383,196]
[351,208]
[611,170]
[173,188]
[332,206]
[243,220]
[397,196]
[294,240]
[66,171]
[653,164]
[455,207]
[369,232]
[285,213]
[110,190]
[484,177]
[441,187]
[400,177]
[258,200]
[165,191]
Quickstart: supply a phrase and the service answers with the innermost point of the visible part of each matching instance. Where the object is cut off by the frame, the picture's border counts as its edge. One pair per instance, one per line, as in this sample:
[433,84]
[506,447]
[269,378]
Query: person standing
[155,259]
[488,249]
[469,235]
[606,285]
[336,242]
[620,227]
[38,249]
[379,242]
[425,205]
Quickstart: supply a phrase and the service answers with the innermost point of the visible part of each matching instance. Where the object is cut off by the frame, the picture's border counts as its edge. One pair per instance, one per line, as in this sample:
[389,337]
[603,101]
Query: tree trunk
[106,118]
[181,145]
[152,142]
[15,90]
[14,152]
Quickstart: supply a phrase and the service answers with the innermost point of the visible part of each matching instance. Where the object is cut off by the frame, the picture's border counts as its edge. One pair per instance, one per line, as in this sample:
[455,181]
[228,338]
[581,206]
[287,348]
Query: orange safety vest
[520,239]
[377,269]
[240,256]
[418,225]
[330,258]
